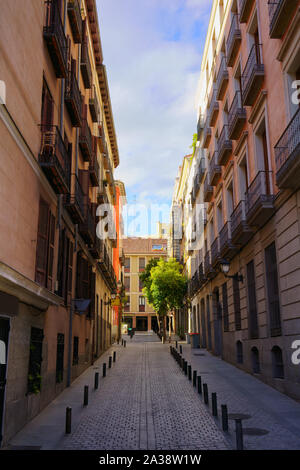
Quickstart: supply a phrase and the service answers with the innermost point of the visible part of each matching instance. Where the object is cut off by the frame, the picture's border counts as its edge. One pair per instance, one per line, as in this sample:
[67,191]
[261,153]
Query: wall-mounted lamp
[112,297]
[225,267]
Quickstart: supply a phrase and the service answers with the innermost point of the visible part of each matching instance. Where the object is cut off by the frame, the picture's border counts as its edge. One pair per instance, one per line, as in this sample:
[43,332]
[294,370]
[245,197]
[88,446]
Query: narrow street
[146,402]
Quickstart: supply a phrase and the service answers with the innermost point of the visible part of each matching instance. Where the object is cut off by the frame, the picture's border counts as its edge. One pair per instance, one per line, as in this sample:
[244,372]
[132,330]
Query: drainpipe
[78,80]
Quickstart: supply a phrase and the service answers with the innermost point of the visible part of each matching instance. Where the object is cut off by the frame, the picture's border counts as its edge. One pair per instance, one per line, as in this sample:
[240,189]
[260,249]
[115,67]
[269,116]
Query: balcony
[287,155]
[73,98]
[201,276]
[55,38]
[253,75]
[106,267]
[222,79]
[280,14]
[75,20]
[95,248]
[215,252]
[208,269]
[201,170]
[240,230]
[206,135]
[54,159]
[85,66]
[200,126]
[74,202]
[245,7]
[259,199]
[236,117]
[94,170]
[208,189]
[227,248]
[224,146]
[213,109]
[85,141]
[215,170]
[233,41]
[87,228]
[94,105]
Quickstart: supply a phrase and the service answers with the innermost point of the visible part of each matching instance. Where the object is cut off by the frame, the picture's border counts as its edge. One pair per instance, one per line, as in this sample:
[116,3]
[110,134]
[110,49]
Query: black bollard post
[185,367]
[182,364]
[190,372]
[86,395]
[68,420]
[214,405]
[205,393]
[122,342]
[96,380]
[180,349]
[194,378]
[239,434]
[224,417]
[114,356]
[118,341]
[170,349]
[176,345]
[104,369]
[199,385]
[125,343]
[109,362]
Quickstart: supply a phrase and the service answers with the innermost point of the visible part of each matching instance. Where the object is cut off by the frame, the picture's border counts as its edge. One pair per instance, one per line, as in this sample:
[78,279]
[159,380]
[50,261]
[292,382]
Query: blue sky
[152,50]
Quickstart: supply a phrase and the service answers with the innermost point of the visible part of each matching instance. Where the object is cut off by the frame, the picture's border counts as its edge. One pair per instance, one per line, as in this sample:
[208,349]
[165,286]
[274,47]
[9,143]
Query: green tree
[165,287]
[193,146]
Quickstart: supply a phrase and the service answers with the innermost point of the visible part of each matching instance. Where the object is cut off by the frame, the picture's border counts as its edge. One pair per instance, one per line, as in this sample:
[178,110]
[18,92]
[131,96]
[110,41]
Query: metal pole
[190,372]
[68,420]
[214,404]
[194,378]
[199,385]
[104,369]
[239,434]
[224,417]
[205,393]
[114,356]
[70,345]
[180,349]
[96,380]
[86,395]
[109,362]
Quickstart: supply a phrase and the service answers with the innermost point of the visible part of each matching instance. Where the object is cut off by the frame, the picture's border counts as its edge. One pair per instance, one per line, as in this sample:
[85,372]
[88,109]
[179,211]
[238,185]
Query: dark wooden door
[4,334]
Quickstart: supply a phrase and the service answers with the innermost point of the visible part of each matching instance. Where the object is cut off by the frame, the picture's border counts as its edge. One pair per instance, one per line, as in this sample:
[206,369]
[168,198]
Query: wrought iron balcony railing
[200,126]
[94,105]
[287,155]
[245,7]
[85,65]
[222,78]
[259,199]
[73,98]
[213,108]
[55,38]
[224,146]
[74,202]
[253,75]
[87,228]
[208,189]
[206,134]
[233,41]
[236,117]
[85,141]
[215,170]
[215,252]
[74,14]
[55,159]
[280,14]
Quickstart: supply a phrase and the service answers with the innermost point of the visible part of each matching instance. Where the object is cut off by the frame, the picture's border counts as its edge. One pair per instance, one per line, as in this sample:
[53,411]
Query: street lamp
[225,267]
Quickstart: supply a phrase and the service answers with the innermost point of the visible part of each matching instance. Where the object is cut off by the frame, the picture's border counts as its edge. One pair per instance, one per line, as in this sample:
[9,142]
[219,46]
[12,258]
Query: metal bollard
[194,378]
[124,343]
[205,393]
[199,385]
[214,405]
[180,349]
[68,420]
[185,367]
[114,356]
[96,380]
[190,372]
[239,434]
[224,417]
[86,395]
[109,362]
[118,341]
[182,364]
[104,369]
[176,345]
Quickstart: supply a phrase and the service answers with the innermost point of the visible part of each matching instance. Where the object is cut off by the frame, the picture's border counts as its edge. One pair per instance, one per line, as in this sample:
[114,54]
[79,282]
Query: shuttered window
[47,109]
[92,293]
[75,350]
[225,307]
[45,246]
[60,357]
[252,318]
[35,360]
[65,267]
[273,290]
[236,303]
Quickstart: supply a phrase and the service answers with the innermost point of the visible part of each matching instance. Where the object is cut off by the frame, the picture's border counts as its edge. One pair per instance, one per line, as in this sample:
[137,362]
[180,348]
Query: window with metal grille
[140,285]
[60,357]
[127,265]
[252,319]
[277,363]
[255,360]
[141,264]
[225,306]
[45,246]
[35,361]
[273,290]
[127,283]
[142,303]
[75,350]
[239,352]
[236,304]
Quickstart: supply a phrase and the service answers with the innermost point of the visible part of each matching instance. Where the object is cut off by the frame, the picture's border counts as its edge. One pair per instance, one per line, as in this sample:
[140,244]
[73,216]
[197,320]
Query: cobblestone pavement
[274,421]
[146,402]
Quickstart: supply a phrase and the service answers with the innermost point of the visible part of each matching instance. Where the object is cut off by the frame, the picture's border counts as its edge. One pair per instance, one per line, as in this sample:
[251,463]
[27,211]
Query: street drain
[255,431]
[238,416]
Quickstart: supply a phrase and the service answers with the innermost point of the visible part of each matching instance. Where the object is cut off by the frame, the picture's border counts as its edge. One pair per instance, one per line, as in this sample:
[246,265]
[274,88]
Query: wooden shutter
[42,244]
[83,176]
[237,306]
[51,252]
[47,109]
[92,286]
[70,270]
[78,276]
[85,279]
[253,321]
[273,290]
[84,36]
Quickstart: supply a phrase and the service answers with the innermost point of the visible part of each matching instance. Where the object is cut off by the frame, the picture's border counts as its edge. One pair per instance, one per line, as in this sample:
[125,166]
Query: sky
[152,50]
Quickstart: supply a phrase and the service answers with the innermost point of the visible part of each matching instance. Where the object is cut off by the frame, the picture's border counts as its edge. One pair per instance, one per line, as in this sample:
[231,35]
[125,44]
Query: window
[203,326]
[82,277]
[253,320]
[141,264]
[127,265]
[60,357]
[65,267]
[225,307]
[87,350]
[239,352]
[236,303]
[140,285]
[208,322]
[45,246]
[243,178]
[75,350]
[229,198]
[127,305]
[277,363]
[220,220]
[272,290]
[255,360]
[47,109]
[127,283]
[35,360]
[142,304]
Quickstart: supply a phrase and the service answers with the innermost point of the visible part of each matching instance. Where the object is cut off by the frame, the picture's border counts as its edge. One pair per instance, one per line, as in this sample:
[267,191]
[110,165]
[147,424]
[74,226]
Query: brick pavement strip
[146,402]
